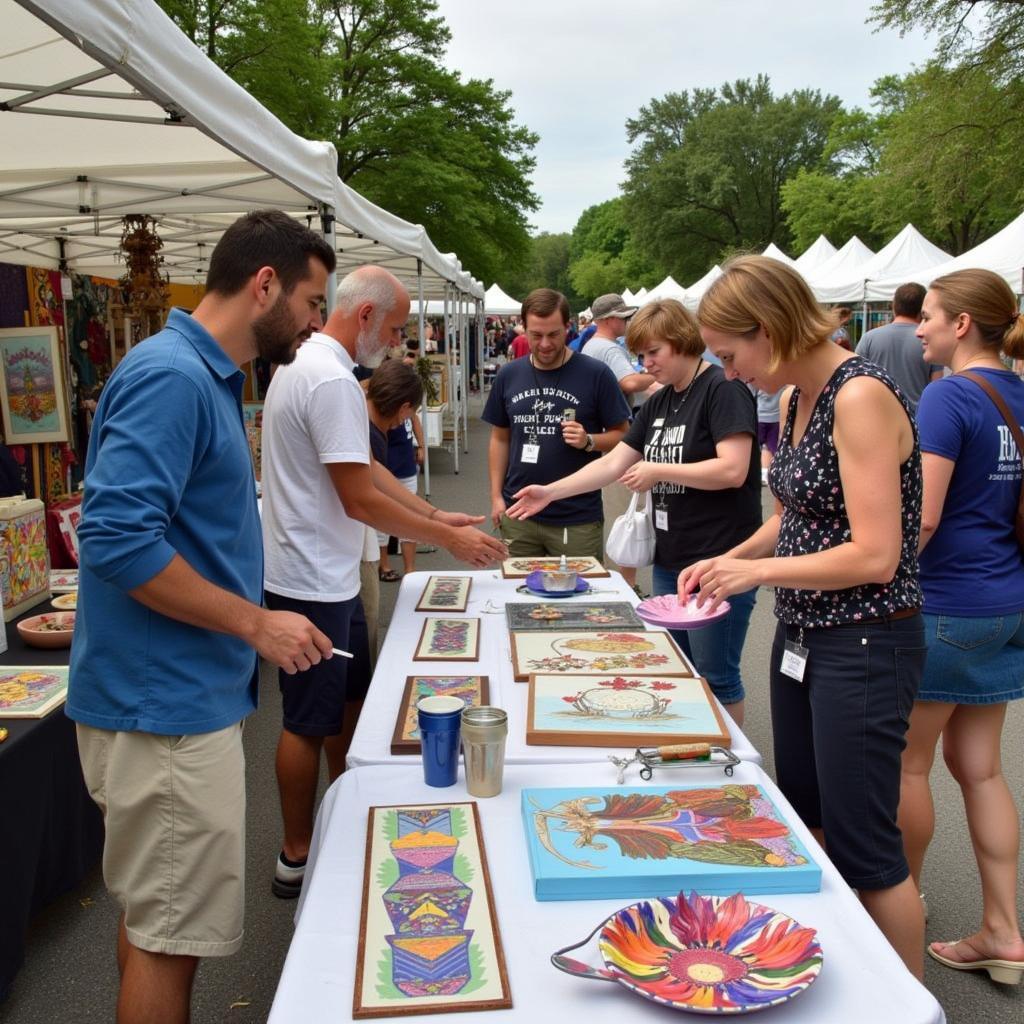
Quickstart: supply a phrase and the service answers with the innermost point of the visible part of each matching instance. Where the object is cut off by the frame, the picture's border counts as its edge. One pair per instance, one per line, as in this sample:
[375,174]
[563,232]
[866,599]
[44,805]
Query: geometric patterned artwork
[32,692]
[520,568]
[562,617]
[616,711]
[428,931]
[445,594]
[639,652]
[471,690]
[448,640]
[596,843]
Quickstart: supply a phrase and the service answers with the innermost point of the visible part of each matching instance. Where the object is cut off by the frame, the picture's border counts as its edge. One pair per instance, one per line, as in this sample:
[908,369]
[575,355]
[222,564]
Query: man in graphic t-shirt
[551,414]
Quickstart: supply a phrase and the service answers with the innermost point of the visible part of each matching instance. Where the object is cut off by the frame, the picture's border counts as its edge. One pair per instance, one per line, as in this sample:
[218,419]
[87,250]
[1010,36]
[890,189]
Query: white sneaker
[287,883]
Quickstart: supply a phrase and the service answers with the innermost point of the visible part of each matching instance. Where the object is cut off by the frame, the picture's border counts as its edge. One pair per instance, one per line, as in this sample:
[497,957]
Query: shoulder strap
[997,400]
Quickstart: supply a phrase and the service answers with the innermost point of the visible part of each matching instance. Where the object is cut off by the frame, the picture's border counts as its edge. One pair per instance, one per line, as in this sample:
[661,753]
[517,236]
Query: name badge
[794,661]
[531,452]
[660,422]
[661,518]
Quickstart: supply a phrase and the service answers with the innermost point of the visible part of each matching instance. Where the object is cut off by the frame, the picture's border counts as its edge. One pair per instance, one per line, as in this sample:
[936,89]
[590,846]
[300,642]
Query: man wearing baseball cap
[611,315]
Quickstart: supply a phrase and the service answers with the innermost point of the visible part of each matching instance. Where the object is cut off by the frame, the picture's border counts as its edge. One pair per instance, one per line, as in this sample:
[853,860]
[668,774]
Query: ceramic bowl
[40,631]
[558,581]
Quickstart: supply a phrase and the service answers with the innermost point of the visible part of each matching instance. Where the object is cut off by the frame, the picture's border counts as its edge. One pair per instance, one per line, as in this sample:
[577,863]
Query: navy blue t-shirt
[401,458]
[531,403]
[972,566]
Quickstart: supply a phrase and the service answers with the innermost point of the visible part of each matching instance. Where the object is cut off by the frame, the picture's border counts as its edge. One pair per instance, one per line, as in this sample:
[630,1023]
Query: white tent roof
[670,288]
[843,265]
[775,253]
[640,297]
[812,258]
[500,303]
[109,110]
[903,257]
[628,297]
[1003,254]
[696,290]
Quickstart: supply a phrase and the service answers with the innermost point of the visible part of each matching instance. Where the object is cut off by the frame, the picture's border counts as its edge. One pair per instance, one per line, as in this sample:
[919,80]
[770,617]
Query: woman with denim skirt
[841,552]
[972,575]
[692,447]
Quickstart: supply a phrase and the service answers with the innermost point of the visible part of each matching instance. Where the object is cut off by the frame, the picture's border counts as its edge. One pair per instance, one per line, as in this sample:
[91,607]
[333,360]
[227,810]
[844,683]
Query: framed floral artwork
[33,401]
[649,652]
[428,927]
[520,568]
[568,616]
[621,711]
[32,691]
[448,640]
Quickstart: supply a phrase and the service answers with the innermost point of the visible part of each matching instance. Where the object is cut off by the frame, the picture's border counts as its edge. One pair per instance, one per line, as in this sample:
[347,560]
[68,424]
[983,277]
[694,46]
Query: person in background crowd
[586,333]
[972,574]
[551,414]
[841,552]
[896,348]
[767,429]
[169,627]
[841,336]
[520,345]
[319,485]
[692,447]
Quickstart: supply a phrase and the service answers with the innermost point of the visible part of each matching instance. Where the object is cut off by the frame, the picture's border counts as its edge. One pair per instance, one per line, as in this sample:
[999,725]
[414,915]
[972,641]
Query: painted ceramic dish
[710,954]
[535,584]
[667,612]
[66,602]
[52,630]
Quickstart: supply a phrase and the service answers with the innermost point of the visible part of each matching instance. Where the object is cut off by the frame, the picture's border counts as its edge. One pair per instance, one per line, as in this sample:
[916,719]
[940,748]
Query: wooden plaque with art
[428,929]
[649,652]
[445,594]
[448,640]
[471,690]
[520,568]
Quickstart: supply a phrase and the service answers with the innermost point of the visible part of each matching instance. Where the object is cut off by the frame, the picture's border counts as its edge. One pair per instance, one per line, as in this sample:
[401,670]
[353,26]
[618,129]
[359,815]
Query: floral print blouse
[806,481]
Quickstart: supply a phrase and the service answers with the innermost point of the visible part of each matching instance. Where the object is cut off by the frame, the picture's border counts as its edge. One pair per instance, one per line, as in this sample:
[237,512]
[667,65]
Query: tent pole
[423,355]
[456,391]
[327,226]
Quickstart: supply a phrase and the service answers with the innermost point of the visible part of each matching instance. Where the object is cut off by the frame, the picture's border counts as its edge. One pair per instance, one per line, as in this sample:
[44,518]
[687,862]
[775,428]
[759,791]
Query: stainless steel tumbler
[483,747]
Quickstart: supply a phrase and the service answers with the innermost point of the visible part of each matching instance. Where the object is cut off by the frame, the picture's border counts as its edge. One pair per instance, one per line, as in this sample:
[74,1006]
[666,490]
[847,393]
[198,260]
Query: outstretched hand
[529,501]
[457,518]
[477,548]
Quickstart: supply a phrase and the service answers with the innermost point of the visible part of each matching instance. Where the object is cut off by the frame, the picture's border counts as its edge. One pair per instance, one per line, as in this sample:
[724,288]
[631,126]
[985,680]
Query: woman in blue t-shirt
[972,575]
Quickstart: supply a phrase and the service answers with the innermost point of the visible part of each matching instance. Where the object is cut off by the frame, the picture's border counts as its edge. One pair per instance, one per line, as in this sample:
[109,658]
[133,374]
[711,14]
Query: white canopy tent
[843,265]
[497,302]
[775,253]
[628,297]
[640,297]
[670,288]
[1003,254]
[696,290]
[814,256]
[903,257]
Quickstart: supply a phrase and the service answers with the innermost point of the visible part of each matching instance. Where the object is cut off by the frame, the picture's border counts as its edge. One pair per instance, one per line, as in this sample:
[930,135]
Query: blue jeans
[715,649]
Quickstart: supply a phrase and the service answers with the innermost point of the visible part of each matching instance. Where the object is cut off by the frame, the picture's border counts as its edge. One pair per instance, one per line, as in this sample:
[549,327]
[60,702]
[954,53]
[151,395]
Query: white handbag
[631,538]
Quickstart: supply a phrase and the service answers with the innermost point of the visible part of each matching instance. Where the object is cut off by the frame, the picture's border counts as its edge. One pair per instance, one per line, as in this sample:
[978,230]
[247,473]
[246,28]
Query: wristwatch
[589,446]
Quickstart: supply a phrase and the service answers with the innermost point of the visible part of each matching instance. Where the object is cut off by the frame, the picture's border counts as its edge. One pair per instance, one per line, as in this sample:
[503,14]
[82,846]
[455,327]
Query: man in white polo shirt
[320,485]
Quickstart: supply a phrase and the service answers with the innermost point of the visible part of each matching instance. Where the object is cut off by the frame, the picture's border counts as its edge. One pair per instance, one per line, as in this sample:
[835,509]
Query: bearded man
[320,485]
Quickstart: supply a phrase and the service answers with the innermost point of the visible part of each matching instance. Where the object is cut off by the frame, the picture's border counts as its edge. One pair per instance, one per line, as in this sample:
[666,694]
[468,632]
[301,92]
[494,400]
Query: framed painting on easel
[428,929]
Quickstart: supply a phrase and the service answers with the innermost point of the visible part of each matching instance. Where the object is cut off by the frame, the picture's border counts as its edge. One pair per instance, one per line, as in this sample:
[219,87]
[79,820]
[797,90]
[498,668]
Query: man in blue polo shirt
[164,663]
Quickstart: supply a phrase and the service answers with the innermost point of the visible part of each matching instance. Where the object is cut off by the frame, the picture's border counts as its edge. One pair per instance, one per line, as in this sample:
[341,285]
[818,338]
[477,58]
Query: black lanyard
[536,384]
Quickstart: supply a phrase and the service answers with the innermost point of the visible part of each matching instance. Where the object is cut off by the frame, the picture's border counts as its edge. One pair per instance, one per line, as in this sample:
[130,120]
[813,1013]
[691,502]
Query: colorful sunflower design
[710,954]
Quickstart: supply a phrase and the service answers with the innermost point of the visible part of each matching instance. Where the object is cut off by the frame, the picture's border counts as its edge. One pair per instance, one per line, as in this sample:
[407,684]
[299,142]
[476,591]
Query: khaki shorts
[174,856]
[526,538]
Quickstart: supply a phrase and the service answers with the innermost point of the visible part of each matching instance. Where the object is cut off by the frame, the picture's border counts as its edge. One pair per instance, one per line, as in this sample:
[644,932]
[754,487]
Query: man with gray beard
[320,485]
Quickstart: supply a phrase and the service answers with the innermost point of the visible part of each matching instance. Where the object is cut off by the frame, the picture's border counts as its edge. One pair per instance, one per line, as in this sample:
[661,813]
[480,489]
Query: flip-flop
[388,577]
[1006,972]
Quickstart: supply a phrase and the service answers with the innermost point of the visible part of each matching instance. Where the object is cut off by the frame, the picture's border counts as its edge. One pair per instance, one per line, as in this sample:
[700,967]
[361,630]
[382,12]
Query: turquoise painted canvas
[630,842]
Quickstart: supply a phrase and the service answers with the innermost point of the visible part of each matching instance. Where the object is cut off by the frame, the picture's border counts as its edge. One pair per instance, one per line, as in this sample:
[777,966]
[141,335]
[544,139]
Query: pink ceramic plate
[666,611]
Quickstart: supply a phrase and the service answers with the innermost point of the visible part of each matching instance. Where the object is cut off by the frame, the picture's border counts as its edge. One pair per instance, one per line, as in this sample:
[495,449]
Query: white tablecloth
[862,980]
[371,743]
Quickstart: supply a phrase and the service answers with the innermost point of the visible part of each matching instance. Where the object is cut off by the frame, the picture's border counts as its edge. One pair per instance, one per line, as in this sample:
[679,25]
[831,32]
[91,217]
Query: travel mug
[483,746]
[439,720]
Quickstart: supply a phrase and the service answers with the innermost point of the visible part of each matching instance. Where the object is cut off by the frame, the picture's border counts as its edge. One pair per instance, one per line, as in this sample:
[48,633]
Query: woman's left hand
[641,476]
[717,578]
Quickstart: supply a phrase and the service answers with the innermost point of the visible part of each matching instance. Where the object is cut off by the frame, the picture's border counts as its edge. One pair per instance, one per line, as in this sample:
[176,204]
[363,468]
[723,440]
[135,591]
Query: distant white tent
[903,257]
[696,290]
[812,258]
[844,265]
[670,288]
[498,303]
[628,297]
[775,253]
[640,297]
[1003,254]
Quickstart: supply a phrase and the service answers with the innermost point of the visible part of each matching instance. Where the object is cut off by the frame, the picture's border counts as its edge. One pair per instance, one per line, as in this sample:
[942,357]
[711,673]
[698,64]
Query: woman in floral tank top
[841,553]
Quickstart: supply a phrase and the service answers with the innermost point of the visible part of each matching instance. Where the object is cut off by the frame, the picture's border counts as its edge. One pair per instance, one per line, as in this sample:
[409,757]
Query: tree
[604,254]
[410,135]
[708,168]
[971,33]
[546,266]
[817,203]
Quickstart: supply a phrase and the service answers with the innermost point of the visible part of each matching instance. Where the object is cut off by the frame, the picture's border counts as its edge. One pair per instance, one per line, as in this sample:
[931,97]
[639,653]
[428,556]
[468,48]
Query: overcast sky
[577,70]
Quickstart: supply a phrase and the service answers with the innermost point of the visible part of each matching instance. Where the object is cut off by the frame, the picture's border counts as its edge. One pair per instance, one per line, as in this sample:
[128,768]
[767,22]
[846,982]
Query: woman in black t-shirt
[692,446]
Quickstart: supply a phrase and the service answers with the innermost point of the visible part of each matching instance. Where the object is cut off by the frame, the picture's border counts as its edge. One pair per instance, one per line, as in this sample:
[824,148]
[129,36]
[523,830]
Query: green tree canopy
[412,136]
[706,173]
[546,266]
